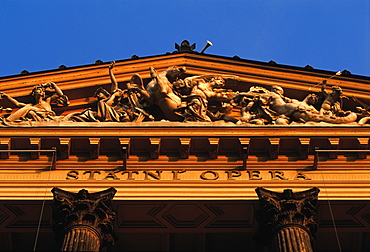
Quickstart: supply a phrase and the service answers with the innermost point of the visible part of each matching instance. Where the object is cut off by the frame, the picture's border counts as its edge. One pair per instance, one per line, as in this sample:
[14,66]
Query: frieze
[211,175]
[173,96]
[185,184]
[180,175]
[204,175]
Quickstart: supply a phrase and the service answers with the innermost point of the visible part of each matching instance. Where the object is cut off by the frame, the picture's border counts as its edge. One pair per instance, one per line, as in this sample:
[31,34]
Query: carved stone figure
[205,97]
[117,106]
[331,104]
[107,106]
[45,95]
[196,110]
[159,91]
[253,110]
[105,112]
[273,106]
[364,115]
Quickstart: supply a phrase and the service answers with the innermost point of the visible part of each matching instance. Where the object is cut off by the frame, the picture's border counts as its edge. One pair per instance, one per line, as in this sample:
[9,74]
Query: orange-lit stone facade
[186,181]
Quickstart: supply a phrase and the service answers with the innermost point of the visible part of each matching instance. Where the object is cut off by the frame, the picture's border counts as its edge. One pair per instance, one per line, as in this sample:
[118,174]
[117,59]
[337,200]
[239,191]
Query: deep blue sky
[39,35]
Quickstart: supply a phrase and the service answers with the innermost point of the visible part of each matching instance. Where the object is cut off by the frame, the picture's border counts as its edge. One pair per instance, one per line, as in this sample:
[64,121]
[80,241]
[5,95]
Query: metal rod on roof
[208,44]
[336,74]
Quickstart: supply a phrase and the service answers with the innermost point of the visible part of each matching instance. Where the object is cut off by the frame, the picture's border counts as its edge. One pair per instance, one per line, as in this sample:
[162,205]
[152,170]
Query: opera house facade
[185,151]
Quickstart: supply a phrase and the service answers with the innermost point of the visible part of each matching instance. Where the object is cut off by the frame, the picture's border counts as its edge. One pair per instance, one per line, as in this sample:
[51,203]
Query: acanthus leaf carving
[89,212]
[287,209]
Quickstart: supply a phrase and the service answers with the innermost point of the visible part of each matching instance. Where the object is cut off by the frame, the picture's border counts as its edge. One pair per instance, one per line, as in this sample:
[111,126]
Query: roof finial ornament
[185,46]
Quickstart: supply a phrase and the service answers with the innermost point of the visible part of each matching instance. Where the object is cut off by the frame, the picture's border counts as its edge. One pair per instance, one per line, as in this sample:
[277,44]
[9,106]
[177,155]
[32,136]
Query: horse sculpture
[159,90]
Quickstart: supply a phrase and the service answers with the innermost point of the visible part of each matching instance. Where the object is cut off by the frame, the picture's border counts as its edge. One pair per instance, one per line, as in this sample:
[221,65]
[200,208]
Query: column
[83,220]
[287,220]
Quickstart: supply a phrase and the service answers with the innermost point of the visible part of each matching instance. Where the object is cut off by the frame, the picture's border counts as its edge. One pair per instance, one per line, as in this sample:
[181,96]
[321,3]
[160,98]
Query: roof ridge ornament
[185,46]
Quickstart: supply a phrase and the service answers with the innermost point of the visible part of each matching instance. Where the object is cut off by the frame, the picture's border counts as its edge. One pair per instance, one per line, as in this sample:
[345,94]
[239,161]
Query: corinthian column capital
[288,219]
[83,220]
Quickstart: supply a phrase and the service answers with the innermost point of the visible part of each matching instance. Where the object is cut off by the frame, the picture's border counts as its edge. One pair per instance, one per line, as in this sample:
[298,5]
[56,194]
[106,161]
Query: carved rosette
[83,221]
[287,220]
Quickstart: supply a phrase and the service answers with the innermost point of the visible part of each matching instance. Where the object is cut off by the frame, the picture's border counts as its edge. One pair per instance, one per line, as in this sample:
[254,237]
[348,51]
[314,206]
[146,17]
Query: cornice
[250,72]
[171,129]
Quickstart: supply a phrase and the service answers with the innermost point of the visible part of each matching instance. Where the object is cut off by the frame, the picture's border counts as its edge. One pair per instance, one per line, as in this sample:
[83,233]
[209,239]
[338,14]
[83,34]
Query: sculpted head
[277,89]
[174,72]
[182,86]
[336,89]
[38,90]
[217,82]
[312,99]
[101,93]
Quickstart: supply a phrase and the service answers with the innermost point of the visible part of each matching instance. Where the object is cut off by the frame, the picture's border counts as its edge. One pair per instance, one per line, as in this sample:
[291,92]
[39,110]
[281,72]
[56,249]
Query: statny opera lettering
[185,175]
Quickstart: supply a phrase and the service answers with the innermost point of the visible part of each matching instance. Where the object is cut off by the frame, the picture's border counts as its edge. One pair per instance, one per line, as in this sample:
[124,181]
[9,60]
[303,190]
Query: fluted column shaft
[81,238]
[292,239]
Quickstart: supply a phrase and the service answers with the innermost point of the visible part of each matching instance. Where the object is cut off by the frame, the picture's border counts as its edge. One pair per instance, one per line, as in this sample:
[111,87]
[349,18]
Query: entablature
[220,148]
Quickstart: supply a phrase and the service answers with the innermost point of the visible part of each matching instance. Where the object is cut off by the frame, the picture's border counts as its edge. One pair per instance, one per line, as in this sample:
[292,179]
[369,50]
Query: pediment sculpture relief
[168,96]
[45,95]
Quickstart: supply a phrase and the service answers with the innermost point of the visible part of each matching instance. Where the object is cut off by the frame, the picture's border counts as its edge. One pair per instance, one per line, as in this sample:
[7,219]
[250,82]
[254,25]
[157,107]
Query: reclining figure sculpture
[45,95]
[260,106]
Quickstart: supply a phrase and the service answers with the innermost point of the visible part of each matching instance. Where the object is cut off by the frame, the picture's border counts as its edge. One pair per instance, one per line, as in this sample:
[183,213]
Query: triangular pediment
[80,83]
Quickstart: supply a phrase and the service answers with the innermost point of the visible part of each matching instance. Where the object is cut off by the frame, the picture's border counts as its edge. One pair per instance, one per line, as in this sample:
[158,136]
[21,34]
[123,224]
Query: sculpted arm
[112,77]
[56,88]
[111,99]
[323,84]
[206,90]
[145,94]
[58,98]
[12,100]
[159,79]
